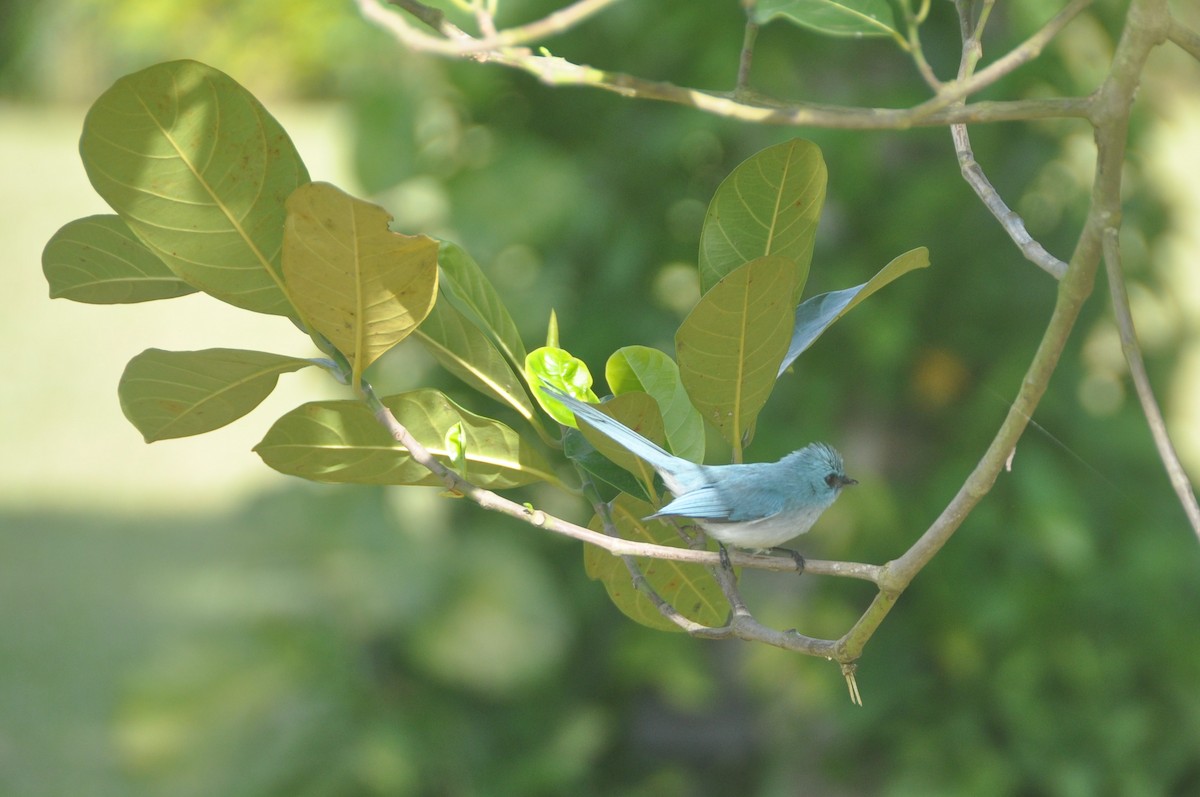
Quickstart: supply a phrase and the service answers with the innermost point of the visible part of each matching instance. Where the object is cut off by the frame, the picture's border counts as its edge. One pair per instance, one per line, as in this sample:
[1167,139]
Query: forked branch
[557,71]
[1147,25]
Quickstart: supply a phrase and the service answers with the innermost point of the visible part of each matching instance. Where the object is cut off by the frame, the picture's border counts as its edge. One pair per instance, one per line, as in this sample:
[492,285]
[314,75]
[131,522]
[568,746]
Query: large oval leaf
[690,588]
[833,17]
[768,205]
[730,345]
[99,260]
[341,441]
[463,350]
[817,314]
[646,370]
[362,286]
[469,288]
[167,394]
[199,170]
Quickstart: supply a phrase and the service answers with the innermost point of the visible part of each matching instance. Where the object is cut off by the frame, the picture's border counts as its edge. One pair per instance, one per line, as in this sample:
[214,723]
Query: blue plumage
[755,505]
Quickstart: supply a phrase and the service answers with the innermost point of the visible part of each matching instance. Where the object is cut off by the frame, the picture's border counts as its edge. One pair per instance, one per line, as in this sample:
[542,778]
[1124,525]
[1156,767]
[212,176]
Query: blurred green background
[176,619]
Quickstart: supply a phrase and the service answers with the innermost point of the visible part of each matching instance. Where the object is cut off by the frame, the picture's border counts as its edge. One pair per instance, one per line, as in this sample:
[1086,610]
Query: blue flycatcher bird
[756,506]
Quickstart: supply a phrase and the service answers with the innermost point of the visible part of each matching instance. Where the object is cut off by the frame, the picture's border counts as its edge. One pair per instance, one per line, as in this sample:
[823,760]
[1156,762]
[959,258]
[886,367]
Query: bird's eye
[831,480]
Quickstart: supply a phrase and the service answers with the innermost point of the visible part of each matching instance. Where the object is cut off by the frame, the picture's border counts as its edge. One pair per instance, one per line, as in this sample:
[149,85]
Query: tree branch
[615,545]
[1009,219]
[1186,38]
[1020,55]
[1111,117]
[973,173]
[1141,380]
[558,71]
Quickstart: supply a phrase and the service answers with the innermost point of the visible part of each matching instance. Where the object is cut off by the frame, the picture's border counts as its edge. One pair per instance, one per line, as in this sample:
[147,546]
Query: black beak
[847,481]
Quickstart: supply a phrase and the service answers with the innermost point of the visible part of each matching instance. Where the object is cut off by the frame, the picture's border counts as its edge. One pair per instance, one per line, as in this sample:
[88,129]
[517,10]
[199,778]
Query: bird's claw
[796,557]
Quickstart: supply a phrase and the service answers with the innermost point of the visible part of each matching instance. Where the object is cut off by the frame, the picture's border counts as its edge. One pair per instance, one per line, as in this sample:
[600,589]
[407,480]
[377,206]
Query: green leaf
[199,170]
[833,17]
[768,205]
[468,354]
[817,314]
[471,291]
[99,260]
[583,454]
[342,442]
[568,374]
[642,369]
[360,285]
[688,587]
[640,413]
[167,394]
[455,444]
[552,330]
[730,345]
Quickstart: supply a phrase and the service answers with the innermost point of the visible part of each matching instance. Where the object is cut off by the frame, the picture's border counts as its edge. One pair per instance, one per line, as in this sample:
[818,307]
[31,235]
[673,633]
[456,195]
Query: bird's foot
[796,557]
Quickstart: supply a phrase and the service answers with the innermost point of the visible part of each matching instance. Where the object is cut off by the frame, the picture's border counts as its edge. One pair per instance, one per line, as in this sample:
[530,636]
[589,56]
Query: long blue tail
[661,460]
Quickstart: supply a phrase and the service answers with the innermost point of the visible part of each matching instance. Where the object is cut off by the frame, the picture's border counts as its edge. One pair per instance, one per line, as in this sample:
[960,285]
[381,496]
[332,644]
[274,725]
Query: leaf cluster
[210,195]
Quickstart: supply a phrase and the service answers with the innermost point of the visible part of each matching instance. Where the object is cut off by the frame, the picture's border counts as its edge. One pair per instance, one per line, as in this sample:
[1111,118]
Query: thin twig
[749,37]
[973,173]
[455,42]
[913,23]
[1141,380]
[1111,113]
[1009,219]
[1020,55]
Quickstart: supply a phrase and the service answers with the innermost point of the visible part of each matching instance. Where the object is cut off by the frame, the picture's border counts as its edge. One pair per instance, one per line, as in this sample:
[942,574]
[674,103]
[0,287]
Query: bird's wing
[762,504]
[704,502]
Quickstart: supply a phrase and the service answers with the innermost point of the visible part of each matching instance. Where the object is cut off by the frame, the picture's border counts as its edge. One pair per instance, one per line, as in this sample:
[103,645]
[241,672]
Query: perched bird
[756,506]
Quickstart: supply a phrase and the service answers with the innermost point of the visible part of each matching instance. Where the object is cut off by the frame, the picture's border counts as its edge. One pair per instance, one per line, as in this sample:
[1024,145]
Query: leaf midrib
[217,201]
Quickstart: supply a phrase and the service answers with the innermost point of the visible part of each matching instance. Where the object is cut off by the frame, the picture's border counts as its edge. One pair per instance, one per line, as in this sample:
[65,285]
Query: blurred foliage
[354,641]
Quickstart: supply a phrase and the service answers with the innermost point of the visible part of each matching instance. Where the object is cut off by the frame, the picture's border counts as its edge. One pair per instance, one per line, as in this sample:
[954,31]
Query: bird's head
[824,464]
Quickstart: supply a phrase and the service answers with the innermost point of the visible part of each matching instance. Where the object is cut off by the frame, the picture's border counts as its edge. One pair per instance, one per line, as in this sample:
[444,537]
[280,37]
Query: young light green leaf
[342,442]
[468,354]
[360,285]
[688,587]
[730,345]
[455,444]
[833,17]
[817,314]
[199,170]
[167,394]
[643,369]
[552,330]
[469,288]
[768,205]
[99,260]
[568,374]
